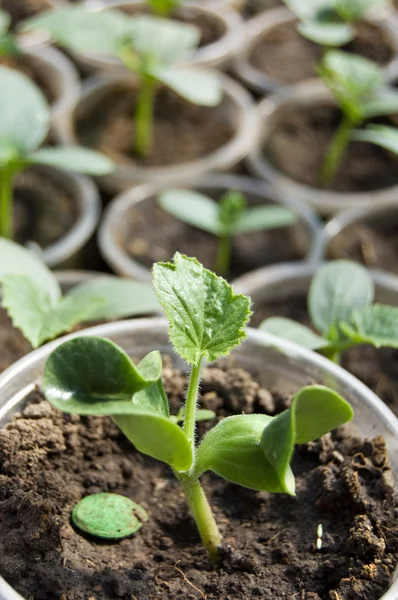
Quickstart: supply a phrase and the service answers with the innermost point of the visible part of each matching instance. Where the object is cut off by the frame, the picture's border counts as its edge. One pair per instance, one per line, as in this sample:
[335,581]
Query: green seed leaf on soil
[315,410]
[376,325]
[355,10]
[206,319]
[80,160]
[383,102]
[109,516]
[261,218]
[337,289]
[327,34]
[381,135]
[196,86]
[294,332]
[193,208]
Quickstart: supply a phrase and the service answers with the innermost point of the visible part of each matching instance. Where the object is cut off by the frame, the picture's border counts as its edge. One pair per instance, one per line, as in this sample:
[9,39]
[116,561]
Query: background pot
[279,364]
[65,251]
[237,107]
[326,202]
[115,226]
[216,54]
[263,24]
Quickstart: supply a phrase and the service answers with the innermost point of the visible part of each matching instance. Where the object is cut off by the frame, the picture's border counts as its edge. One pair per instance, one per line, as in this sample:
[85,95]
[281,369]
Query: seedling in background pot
[332,22]
[224,219]
[33,299]
[24,125]
[164,7]
[151,47]
[341,308]
[206,321]
[9,45]
[359,89]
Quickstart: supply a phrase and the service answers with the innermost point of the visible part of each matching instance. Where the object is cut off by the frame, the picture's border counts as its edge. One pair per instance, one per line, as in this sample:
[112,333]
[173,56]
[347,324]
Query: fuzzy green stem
[336,150]
[144,116]
[191,403]
[202,513]
[6,221]
[223,255]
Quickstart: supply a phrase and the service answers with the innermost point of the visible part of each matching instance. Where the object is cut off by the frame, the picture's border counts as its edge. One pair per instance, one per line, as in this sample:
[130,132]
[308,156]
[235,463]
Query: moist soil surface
[49,461]
[43,210]
[142,241]
[182,131]
[284,55]
[23,9]
[299,141]
[374,246]
[27,67]
[377,368]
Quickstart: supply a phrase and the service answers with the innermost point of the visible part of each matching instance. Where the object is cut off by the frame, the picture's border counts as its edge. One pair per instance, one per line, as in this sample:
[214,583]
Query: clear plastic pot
[326,202]
[114,230]
[65,251]
[216,54]
[263,24]
[279,364]
[237,107]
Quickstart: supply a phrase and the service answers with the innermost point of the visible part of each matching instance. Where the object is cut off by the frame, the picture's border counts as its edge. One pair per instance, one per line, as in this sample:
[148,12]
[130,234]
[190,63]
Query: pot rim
[264,22]
[325,201]
[223,157]
[123,264]
[288,349]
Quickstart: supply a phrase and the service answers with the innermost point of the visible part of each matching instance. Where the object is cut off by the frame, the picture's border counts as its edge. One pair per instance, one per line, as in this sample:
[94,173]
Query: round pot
[215,54]
[279,364]
[262,25]
[327,202]
[237,108]
[56,71]
[115,229]
[347,235]
[65,251]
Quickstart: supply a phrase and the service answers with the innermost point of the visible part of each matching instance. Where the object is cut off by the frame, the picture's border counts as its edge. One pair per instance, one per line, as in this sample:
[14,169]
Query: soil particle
[283,54]
[49,461]
[182,131]
[298,144]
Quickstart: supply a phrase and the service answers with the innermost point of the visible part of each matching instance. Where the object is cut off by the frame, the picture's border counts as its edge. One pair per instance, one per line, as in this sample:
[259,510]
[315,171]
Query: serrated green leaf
[191,207]
[74,158]
[17,260]
[93,376]
[327,34]
[294,332]
[376,325]
[232,450]
[337,289]
[206,319]
[315,410]
[25,115]
[196,86]
[120,297]
[381,135]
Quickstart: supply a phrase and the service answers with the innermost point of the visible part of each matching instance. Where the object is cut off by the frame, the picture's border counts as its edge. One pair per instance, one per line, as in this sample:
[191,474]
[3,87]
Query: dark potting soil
[283,54]
[27,67]
[373,246]
[254,7]
[43,210]
[49,461]
[182,131]
[12,343]
[23,9]
[377,368]
[142,241]
[298,144]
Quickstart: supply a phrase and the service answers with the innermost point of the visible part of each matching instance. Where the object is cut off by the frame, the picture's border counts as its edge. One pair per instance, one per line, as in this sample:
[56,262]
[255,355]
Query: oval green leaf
[294,332]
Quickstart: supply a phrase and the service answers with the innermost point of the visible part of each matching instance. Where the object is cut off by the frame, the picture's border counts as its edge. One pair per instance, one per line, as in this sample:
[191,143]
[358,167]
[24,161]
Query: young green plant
[33,298]
[358,87]
[206,321]
[229,217]
[151,47]
[332,23]
[343,313]
[9,45]
[164,7]
[24,125]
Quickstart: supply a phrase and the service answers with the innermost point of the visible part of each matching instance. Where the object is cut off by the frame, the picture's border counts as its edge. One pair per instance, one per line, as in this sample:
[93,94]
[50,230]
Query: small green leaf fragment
[109,516]
[231,208]
[262,218]
[206,319]
[71,158]
[376,325]
[294,332]
[196,86]
[327,34]
[191,207]
[381,135]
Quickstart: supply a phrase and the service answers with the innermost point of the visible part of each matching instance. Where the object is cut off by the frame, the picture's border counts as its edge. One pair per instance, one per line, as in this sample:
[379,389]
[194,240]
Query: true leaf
[337,289]
[294,332]
[381,135]
[206,319]
[315,410]
[327,34]
[80,160]
[232,449]
[376,325]
[198,87]
[93,376]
